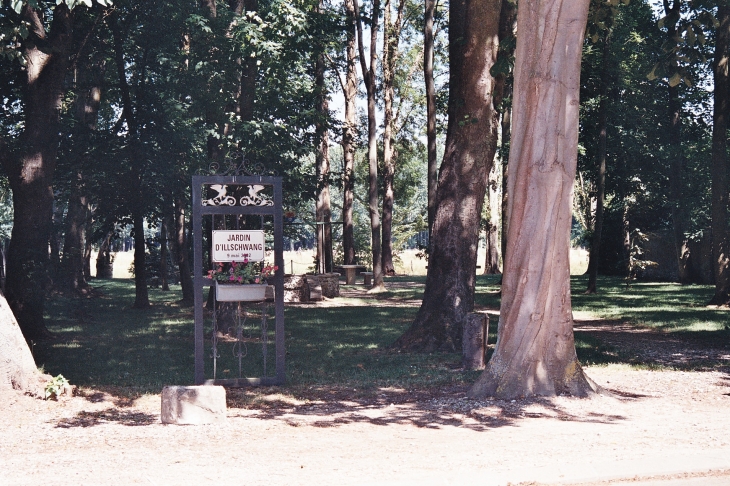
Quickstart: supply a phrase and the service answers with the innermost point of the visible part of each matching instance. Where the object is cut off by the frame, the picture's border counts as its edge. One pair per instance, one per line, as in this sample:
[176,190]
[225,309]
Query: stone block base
[193,405]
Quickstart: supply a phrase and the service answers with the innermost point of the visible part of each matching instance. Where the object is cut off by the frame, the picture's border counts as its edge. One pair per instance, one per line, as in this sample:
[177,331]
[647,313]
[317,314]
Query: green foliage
[55,387]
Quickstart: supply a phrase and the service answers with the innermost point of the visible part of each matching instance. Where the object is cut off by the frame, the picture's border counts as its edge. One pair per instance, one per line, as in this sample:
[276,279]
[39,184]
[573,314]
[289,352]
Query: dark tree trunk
[74,245]
[428,49]
[503,92]
[391,37]
[104,263]
[73,264]
[370,86]
[349,130]
[164,270]
[676,165]
[471,143]
[720,257]
[31,171]
[535,351]
[180,244]
[323,207]
[136,199]
[141,295]
[601,172]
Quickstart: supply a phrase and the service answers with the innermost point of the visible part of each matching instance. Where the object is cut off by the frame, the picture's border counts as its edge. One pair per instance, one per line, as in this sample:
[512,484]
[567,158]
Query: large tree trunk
[601,172]
[18,370]
[369,75]
[428,53]
[720,257]
[323,210]
[535,351]
[471,143]
[391,37]
[30,172]
[349,131]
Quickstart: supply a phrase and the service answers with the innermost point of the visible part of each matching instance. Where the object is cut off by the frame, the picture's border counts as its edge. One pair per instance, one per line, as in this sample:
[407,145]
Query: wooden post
[474,341]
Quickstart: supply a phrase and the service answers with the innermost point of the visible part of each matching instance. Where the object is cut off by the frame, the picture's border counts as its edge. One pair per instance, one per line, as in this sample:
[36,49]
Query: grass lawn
[103,342]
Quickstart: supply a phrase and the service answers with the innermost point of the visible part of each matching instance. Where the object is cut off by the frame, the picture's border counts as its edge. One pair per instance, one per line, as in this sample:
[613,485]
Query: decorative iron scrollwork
[236,164]
[224,197]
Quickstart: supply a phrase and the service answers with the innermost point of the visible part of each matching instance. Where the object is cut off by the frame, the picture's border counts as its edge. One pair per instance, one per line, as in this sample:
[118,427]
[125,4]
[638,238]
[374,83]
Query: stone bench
[367,278]
[350,271]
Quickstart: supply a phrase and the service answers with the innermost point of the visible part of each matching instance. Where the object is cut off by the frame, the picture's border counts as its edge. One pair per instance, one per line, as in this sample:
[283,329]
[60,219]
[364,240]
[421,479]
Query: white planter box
[240,293]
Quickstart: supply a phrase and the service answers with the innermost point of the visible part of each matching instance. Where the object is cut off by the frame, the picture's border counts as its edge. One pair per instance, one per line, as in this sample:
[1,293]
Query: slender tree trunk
[180,244]
[471,142]
[74,245]
[323,208]
[370,87]
[136,200]
[31,171]
[391,37]
[504,157]
[104,264]
[164,269]
[676,165]
[348,137]
[601,175]
[141,295]
[503,93]
[428,55]
[721,110]
[535,351]
[249,68]
[491,261]
[73,264]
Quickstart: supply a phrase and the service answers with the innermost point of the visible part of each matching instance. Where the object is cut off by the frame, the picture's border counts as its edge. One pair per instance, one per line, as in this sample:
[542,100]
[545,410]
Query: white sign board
[238,245]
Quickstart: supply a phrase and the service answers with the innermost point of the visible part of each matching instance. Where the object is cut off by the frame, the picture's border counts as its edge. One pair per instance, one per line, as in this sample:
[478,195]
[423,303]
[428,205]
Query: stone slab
[193,405]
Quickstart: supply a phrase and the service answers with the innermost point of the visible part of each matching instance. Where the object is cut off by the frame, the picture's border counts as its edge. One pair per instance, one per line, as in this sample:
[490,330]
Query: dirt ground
[654,428]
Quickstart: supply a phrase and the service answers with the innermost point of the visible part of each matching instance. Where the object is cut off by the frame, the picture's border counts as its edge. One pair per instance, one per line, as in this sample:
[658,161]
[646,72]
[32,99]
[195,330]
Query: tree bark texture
[428,54]
[601,169]
[74,245]
[369,73]
[503,91]
[31,171]
[180,244]
[73,263]
[323,207]
[391,38]
[349,131]
[676,163]
[721,110]
[535,351]
[471,143]
[18,370]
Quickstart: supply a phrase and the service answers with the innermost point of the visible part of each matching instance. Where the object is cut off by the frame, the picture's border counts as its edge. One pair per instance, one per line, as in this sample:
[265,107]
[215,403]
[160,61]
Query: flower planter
[240,293]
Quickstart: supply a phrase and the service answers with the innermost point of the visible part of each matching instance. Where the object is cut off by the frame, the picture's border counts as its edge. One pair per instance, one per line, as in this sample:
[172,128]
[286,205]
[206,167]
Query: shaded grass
[104,342]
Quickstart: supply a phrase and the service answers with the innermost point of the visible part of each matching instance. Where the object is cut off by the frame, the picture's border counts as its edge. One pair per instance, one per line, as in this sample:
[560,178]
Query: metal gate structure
[238,195]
